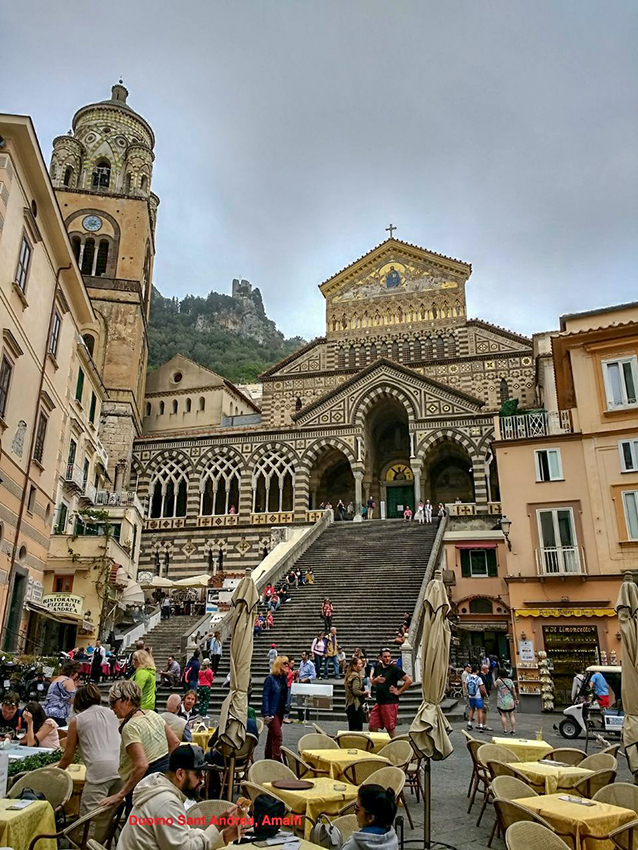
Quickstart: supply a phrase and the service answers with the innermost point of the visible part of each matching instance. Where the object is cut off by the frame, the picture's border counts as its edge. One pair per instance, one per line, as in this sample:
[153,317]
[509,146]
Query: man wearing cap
[386,678]
[158,820]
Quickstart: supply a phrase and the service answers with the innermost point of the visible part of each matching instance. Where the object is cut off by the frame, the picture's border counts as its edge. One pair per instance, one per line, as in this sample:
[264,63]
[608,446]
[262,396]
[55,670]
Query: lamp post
[506,524]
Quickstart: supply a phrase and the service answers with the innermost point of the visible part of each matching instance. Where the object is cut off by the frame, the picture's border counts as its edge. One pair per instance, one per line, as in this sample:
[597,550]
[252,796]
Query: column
[480,483]
[358,480]
[303,499]
[417,486]
[246,496]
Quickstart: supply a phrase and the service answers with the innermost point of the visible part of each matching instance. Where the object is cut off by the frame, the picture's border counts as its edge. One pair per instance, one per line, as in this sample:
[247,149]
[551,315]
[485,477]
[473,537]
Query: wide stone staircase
[371,571]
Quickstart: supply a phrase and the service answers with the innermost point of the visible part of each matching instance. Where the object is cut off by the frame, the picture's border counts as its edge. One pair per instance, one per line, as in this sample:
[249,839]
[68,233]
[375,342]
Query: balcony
[74,476]
[88,492]
[528,426]
[119,499]
[560,561]
[85,550]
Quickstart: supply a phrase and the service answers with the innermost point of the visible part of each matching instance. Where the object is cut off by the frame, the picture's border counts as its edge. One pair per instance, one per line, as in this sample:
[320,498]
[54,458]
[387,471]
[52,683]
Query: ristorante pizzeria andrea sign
[63,603]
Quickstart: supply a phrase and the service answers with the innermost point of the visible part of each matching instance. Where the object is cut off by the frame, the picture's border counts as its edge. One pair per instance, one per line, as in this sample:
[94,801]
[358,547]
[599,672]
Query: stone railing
[129,637]
[271,569]
[119,499]
[218,521]
[275,518]
[472,509]
[534,424]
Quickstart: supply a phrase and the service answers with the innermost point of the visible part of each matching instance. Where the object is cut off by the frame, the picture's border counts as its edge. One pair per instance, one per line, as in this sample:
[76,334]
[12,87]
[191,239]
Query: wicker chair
[507,788]
[351,740]
[494,752]
[252,791]
[299,767]
[590,785]
[566,755]
[321,731]
[529,835]
[268,770]
[480,776]
[599,761]
[316,741]
[400,753]
[208,809]
[622,794]
[55,784]
[501,768]
[94,845]
[243,758]
[386,777]
[612,750]
[507,812]
[359,771]
[76,833]
[626,836]
[346,824]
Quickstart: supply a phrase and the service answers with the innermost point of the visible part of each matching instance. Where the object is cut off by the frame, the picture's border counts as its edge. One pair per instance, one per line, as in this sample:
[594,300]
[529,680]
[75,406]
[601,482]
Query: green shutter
[465,563]
[92,410]
[492,566]
[80,386]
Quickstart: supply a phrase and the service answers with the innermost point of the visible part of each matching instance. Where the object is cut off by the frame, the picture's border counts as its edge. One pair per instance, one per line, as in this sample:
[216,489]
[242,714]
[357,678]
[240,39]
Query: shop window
[628,455]
[478,563]
[480,606]
[621,380]
[630,504]
[62,584]
[548,465]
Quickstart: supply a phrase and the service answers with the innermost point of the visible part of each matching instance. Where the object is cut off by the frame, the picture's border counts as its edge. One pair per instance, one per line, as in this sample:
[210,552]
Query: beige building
[569,486]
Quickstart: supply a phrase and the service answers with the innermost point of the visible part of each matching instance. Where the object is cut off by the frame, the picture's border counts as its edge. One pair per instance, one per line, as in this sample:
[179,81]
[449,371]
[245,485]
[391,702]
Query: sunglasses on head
[13,704]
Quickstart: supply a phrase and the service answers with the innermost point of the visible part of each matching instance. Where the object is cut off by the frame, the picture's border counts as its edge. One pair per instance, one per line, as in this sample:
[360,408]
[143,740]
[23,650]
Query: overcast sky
[290,133]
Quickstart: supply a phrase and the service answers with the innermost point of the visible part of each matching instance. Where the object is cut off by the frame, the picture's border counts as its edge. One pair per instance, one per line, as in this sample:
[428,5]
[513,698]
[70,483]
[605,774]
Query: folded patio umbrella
[627,610]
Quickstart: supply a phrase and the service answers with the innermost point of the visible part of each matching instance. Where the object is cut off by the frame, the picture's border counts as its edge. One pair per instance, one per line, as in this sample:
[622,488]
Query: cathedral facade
[396,402]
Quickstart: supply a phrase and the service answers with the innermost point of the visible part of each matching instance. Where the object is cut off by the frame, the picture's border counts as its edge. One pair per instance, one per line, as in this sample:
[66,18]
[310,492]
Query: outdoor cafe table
[19,828]
[554,777]
[202,738]
[336,761]
[303,844]
[524,749]
[578,820]
[326,795]
[379,739]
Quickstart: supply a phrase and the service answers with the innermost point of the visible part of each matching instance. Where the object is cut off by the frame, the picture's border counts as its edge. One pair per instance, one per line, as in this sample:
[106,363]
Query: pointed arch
[371,395]
[273,479]
[220,482]
[168,488]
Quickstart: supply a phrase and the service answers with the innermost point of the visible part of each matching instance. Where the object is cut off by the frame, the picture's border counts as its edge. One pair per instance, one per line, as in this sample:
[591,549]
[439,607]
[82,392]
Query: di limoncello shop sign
[63,603]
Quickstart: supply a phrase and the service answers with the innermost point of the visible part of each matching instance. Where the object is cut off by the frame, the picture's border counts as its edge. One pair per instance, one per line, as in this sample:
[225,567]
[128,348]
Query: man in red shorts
[386,679]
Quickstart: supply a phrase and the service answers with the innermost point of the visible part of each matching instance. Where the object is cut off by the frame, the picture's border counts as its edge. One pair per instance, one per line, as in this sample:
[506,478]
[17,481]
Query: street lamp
[506,524]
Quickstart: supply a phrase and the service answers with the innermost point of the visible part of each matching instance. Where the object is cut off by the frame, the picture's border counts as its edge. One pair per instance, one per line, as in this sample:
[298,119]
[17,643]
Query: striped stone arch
[167,455]
[446,434]
[311,454]
[136,473]
[484,443]
[215,451]
[273,446]
[371,395]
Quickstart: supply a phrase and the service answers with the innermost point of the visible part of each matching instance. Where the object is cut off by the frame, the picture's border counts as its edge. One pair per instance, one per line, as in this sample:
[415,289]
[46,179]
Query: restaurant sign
[63,603]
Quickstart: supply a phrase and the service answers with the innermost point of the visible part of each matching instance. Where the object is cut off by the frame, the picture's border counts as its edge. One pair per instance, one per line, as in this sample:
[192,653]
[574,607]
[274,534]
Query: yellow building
[569,485]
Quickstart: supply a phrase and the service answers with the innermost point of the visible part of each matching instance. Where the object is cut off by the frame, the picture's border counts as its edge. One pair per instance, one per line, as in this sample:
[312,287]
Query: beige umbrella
[132,594]
[158,581]
[430,729]
[193,581]
[234,711]
[627,609]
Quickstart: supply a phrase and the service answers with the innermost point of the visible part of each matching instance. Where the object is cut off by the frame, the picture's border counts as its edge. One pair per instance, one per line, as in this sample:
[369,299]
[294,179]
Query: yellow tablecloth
[336,761]
[524,749]
[305,845]
[202,738]
[19,828]
[580,821]
[322,797]
[555,778]
[78,775]
[379,739]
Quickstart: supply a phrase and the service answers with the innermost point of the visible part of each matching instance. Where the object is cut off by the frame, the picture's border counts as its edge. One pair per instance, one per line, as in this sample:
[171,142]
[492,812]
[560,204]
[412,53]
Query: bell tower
[102,172]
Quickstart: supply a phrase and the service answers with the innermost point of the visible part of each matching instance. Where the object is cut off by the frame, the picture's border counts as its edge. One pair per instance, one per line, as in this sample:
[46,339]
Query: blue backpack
[472,685]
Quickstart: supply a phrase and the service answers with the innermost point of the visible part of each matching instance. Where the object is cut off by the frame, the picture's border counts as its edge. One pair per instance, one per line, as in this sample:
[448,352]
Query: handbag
[326,834]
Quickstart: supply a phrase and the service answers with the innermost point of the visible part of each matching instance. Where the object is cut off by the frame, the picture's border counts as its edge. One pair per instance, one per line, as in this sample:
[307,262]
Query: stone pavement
[450,778]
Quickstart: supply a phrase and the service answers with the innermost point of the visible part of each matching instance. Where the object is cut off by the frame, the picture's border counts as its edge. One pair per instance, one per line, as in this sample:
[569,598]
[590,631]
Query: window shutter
[465,563]
[492,567]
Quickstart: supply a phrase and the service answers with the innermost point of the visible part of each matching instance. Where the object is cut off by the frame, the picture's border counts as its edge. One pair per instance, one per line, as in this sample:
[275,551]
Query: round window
[177,377]
[22,554]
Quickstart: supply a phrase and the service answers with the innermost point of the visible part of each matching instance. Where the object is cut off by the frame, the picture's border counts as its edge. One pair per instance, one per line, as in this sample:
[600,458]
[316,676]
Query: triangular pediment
[392,268]
[423,397]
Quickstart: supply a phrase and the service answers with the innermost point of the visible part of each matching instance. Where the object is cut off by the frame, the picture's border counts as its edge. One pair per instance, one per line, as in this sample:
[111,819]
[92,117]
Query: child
[407,513]
[270,620]
[205,682]
[272,653]
[341,658]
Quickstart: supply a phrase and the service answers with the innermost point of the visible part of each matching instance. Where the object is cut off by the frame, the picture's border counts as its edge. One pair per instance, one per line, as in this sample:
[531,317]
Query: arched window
[503,391]
[89,341]
[352,357]
[102,257]
[76,242]
[144,183]
[298,403]
[395,350]
[480,606]
[363,355]
[219,485]
[451,346]
[148,408]
[427,348]
[87,257]
[68,176]
[417,350]
[341,359]
[202,403]
[373,353]
[384,349]
[161,408]
[101,174]
[440,347]
[174,405]
[406,350]
[127,184]
[273,483]
[168,490]
[188,405]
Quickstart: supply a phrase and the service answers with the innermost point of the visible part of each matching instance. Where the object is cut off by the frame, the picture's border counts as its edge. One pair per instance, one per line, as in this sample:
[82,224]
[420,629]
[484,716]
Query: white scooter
[584,713]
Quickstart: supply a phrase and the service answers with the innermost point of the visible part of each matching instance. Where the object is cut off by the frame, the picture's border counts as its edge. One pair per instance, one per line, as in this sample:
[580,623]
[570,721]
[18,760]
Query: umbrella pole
[427,794]
[231,778]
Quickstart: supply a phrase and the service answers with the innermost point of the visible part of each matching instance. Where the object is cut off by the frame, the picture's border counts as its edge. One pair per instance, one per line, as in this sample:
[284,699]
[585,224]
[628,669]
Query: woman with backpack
[191,672]
[506,701]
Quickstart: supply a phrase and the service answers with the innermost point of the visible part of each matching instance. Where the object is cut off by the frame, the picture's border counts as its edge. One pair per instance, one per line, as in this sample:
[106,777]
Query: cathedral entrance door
[398,497]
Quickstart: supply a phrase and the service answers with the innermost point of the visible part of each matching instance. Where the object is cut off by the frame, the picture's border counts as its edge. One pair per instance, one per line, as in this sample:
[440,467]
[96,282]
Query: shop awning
[565,612]
[487,544]
[43,611]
